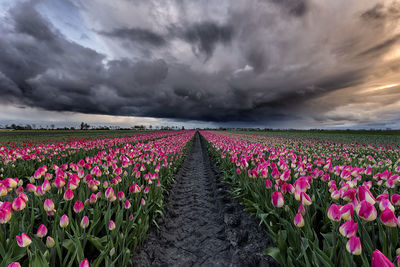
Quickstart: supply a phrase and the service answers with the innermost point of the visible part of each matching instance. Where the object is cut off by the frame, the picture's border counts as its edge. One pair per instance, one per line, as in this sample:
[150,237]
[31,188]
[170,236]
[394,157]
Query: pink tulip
[301,209]
[143,201]
[109,192]
[388,218]
[68,194]
[3,190]
[64,221]
[42,231]
[121,196]
[348,229]
[48,205]
[334,213]
[347,211]
[365,194]
[398,260]
[111,225]
[127,204]
[14,264]
[366,211]
[84,263]
[305,199]
[23,240]
[396,199]
[146,190]
[380,260]
[85,222]
[354,245]
[92,198]
[277,199]
[134,188]
[385,204]
[78,206]
[299,220]
[268,184]
[18,204]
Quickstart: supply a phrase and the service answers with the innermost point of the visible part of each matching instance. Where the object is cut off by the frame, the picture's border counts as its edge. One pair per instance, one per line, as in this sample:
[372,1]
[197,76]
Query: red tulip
[380,260]
[277,199]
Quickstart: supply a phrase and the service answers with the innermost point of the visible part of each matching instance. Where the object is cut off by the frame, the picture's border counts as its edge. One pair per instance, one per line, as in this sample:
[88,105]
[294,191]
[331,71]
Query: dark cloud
[137,35]
[381,47]
[381,12]
[205,36]
[294,7]
[273,63]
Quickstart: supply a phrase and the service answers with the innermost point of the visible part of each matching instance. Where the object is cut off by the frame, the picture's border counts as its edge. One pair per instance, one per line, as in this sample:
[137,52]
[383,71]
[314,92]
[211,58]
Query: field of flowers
[323,202]
[81,202]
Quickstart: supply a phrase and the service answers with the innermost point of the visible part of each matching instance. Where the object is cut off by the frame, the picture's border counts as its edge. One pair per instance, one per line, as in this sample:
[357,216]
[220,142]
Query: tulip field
[83,202]
[324,202]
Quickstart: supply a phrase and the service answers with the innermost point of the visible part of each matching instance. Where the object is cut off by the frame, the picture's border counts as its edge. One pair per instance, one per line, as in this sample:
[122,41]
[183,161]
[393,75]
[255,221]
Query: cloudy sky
[262,63]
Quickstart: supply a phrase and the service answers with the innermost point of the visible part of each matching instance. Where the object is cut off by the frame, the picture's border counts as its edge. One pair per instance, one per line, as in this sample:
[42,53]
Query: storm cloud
[257,61]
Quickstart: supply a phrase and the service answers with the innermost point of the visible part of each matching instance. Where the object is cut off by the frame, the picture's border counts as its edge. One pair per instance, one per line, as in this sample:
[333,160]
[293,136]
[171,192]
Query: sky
[228,63]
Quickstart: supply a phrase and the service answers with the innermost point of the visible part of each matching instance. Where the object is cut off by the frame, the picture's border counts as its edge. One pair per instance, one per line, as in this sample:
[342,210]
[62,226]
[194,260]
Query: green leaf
[274,252]
[38,260]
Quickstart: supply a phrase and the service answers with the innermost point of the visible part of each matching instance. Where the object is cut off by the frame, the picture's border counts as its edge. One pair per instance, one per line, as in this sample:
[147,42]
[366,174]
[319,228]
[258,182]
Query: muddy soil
[203,224]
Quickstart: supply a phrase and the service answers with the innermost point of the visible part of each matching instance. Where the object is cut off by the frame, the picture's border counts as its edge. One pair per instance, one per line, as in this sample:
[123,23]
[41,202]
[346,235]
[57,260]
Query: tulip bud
[64,221]
[42,231]
[348,228]
[277,199]
[380,260]
[388,218]
[334,213]
[14,264]
[50,242]
[354,245]
[366,211]
[127,204]
[299,220]
[18,204]
[78,206]
[111,225]
[143,202]
[84,263]
[23,240]
[85,222]
[48,205]
[68,194]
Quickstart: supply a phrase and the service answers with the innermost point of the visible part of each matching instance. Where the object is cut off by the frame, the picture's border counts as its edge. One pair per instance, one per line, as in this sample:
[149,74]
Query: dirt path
[203,224]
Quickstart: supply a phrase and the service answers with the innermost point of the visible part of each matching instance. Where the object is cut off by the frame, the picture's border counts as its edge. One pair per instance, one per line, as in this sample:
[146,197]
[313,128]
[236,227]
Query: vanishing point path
[203,224]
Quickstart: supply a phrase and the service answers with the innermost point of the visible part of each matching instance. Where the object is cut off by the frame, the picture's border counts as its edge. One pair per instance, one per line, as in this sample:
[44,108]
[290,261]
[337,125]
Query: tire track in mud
[203,224]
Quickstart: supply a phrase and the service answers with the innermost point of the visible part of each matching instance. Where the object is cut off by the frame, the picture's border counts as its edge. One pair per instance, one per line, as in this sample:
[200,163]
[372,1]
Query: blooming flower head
[23,240]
